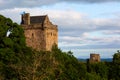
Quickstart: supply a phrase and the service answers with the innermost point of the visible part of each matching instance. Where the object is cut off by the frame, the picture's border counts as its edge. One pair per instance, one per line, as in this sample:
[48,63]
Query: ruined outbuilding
[94,58]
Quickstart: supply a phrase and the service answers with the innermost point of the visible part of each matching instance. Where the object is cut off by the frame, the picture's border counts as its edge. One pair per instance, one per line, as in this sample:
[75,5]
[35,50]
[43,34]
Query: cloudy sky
[85,26]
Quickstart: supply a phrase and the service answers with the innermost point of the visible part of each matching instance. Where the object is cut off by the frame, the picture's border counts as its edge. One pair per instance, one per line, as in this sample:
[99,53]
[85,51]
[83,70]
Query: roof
[37,19]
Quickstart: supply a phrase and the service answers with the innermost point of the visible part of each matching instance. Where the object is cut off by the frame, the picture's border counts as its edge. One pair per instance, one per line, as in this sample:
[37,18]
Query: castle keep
[40,33]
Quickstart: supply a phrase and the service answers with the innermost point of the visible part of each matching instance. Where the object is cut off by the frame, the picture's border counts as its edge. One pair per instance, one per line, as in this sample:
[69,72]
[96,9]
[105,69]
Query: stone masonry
[40,33]
[94,58]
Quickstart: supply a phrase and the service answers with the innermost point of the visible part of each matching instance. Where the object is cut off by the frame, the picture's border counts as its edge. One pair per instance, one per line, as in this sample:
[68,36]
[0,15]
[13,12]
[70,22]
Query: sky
[85,26]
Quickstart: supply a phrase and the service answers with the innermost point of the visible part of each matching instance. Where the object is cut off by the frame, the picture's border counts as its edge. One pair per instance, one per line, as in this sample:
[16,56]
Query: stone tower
[94,58]
[40,33]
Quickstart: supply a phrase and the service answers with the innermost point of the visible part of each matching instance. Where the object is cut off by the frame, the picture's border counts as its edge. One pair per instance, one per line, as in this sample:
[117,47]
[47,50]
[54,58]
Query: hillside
[19,62]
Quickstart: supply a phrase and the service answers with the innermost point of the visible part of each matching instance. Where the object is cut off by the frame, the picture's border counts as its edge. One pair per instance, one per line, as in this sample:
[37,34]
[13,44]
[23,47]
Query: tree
[10,47]
[116,57]
[114,68]
[99,69]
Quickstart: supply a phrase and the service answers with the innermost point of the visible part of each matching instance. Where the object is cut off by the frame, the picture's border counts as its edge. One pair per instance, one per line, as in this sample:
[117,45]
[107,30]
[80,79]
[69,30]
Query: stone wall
[94,58]
[39,36]
[35,39]
[51,37]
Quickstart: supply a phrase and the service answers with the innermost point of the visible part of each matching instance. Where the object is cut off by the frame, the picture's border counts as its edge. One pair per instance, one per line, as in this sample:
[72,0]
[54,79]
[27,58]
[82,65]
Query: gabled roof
[37,19]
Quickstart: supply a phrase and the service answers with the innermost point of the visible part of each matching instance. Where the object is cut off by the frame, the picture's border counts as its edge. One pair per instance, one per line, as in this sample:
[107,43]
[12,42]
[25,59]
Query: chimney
[25,19]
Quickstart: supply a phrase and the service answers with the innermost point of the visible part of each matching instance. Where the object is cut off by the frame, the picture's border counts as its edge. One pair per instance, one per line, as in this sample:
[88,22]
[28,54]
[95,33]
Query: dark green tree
[114,68]
[116,57]
[11,45]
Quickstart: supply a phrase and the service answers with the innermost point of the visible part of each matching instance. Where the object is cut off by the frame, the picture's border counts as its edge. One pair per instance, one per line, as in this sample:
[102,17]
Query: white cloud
[72,44]
[85,34]
[111,32]
[25,3]
[1,1]
[107,23]
[37,3]
[67,20]
[74,27]
[92,1]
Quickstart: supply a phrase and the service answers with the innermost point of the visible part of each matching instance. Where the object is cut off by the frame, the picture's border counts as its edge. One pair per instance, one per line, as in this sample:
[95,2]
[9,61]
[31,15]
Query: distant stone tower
[94,58]
[40,33]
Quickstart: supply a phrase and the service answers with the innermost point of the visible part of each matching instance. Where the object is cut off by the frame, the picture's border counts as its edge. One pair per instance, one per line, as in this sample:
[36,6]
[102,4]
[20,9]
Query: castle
[40,33]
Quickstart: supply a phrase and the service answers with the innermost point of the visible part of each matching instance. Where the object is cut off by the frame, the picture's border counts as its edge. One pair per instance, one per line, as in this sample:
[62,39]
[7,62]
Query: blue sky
[85,26]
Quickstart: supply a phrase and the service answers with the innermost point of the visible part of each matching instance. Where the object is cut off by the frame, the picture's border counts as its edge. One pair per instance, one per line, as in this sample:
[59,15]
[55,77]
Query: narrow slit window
[32,35]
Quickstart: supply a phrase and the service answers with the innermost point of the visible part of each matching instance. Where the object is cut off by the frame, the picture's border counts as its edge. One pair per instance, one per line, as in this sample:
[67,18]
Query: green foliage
[116,57]
[99,69]
[69,66]
[114,68]
[4,26]
[19,62]
[93,76]
[9,50]
[17,36]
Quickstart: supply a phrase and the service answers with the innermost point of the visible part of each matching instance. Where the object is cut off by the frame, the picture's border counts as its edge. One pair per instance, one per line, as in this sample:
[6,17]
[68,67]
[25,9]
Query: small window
[51,33]
[32,35]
